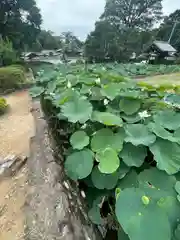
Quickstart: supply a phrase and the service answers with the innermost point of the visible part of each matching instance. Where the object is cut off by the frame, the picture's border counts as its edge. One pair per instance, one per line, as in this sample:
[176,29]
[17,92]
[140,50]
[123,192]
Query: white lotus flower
[69,85]
[98,80]
[52,94]
[84,126]
[144,114]
[106,102]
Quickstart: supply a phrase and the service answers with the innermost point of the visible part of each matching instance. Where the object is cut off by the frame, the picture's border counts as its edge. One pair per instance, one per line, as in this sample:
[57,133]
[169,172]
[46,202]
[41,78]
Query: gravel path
[16,128]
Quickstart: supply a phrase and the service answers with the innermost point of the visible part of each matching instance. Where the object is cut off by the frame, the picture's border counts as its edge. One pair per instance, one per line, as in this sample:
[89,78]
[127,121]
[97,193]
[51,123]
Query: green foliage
[108,161]
[123,145]
[139,134]
[133,155]
[167,155]
[168,119]
[107,118]
[77,110]
[3,105]
[11,77]
[79,140]
[102,180]
[20,22]
[123,28]
[8,55]
[46,40]
[79,165]
[129,106]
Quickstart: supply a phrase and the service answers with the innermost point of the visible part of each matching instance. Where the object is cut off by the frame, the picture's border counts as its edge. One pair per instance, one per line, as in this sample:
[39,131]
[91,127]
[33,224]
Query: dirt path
[173,78]
[16,128]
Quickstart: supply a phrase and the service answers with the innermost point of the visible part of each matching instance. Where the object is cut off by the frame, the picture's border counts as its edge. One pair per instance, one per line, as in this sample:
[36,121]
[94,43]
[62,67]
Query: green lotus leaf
[36,91]
[63,97]
[129,106]
[85,89]
[110,90]
[160,187]
[51,87]
[137,219]
[139,134]
[102,180]
[130,180]
[133,155]
[96,94]
[176,135]
[108,161]
[118,140]
[133,94]
[131,118]
[79,140]
[107,118]
[177,187]
[167,155]
[102,139]
[158,180]
[123,170]
[78,165]
[78,110]
[86,80]
[160,131]
[72,78]
[105,138]
[168,119]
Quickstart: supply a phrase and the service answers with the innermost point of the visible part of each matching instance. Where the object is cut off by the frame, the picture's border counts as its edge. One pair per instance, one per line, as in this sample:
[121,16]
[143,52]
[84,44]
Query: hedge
[3,105]
[11,78]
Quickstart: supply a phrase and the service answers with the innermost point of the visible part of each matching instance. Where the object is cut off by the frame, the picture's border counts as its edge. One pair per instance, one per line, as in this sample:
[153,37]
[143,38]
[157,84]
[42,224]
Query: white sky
[79,16]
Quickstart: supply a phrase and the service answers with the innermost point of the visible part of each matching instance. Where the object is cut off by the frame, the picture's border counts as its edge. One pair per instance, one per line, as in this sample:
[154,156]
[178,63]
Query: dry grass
[163,79]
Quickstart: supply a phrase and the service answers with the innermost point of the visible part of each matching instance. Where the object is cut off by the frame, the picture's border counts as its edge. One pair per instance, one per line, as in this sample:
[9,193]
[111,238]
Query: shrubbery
[8,55]
[3,105]
[121,140]
[11,78]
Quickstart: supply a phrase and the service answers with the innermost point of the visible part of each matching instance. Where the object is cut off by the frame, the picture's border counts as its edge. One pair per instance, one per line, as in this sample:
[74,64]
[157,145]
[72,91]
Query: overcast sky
[79,16]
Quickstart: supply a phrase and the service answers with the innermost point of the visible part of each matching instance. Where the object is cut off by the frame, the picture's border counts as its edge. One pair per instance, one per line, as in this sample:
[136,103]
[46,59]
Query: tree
[8,55]
[71,44]
[20,21]
[140,14]
[123,28]
[166,28]
[48,41]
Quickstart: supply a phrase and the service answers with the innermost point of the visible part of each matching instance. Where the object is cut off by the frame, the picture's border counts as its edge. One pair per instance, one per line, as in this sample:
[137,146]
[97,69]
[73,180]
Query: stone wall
[54,207]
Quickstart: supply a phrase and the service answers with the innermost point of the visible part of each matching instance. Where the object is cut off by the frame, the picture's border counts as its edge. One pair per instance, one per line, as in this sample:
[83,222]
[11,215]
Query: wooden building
[161,52]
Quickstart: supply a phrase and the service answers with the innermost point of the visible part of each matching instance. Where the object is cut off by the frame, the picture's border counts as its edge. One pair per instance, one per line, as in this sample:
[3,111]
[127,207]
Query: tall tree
[123,28]
[166,29]
[71,43]
[49,41]
[20,21]
[140,14]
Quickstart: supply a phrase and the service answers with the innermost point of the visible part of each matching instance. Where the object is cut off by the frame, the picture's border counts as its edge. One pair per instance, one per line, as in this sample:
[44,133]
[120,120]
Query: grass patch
[3,105]
[11,77]
[160,80]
